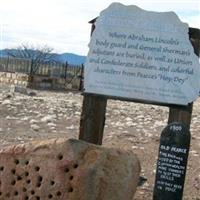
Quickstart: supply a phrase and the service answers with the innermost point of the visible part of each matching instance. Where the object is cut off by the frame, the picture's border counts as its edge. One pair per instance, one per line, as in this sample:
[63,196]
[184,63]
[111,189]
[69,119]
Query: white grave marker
[142,55]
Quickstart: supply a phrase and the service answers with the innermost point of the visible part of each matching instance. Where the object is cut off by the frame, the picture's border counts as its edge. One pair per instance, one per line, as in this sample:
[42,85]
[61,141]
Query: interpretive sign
[142,55]
[172,162]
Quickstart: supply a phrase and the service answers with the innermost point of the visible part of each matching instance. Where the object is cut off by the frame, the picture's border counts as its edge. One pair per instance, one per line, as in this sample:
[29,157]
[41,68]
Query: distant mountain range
[70,58]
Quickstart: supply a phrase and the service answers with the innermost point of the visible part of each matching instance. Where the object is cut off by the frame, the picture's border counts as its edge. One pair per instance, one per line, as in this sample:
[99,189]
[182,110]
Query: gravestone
[172,162]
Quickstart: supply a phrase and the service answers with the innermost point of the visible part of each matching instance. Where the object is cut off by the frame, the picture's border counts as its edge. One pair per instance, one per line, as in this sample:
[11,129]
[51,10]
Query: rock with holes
[67,170]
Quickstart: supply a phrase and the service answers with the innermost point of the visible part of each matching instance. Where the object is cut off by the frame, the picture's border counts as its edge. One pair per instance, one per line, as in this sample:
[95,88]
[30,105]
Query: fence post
[66,67]
[7,64]
[81,78]
[31,67]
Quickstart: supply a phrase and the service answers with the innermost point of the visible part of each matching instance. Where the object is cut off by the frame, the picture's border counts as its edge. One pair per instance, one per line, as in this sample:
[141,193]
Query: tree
[37,55]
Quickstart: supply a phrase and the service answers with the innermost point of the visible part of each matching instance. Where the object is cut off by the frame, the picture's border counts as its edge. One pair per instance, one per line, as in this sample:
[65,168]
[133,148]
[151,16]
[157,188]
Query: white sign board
[142,55]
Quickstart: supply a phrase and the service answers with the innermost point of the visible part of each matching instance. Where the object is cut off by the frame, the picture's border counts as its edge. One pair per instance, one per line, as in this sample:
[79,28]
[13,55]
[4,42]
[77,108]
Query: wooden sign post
[94,112]
[94,107]
[93,119]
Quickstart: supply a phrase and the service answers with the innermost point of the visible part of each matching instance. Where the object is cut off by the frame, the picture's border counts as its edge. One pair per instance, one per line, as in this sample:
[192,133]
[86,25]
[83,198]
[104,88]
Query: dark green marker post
[172,162]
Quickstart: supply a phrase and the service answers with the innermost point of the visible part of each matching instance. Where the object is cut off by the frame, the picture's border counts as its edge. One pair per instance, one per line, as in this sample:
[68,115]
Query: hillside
[71,58]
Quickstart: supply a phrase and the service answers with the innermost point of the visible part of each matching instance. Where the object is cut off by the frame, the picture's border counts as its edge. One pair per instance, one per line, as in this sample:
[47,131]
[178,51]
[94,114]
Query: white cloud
[63,24]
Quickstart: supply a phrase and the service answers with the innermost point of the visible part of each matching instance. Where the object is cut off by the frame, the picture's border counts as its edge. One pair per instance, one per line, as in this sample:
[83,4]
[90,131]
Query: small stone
[125,132]
[194,153]
[130,123]
[119,124]
[32,94]
[35,127]
[6,102]
[48,118]
[131,139]
[24,118]
[72,127]
[159,123]
[51,124]
[60,115]
[77,113]
[8,96]
[8,117]
[33,121]
[134,147]
[128,119]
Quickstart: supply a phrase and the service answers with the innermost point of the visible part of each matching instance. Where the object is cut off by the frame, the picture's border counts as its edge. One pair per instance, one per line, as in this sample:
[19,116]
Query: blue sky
[63,24]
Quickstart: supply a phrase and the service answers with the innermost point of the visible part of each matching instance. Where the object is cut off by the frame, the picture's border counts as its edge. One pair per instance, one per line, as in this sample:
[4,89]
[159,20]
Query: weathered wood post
[93,114]
[184,113]
[93,119]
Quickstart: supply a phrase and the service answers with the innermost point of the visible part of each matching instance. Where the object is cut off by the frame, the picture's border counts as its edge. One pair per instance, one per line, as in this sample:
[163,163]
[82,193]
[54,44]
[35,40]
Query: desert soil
[131,126]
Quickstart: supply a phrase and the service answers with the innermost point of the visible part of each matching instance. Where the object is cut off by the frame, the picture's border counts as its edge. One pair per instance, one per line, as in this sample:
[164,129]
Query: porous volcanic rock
[67,170]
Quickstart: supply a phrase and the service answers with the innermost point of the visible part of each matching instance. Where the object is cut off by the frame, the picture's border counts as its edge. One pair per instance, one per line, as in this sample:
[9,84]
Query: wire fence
[49,69]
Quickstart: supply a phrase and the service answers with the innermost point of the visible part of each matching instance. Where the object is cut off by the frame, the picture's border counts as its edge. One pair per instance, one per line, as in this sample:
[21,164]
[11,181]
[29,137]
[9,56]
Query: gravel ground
[131,126]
